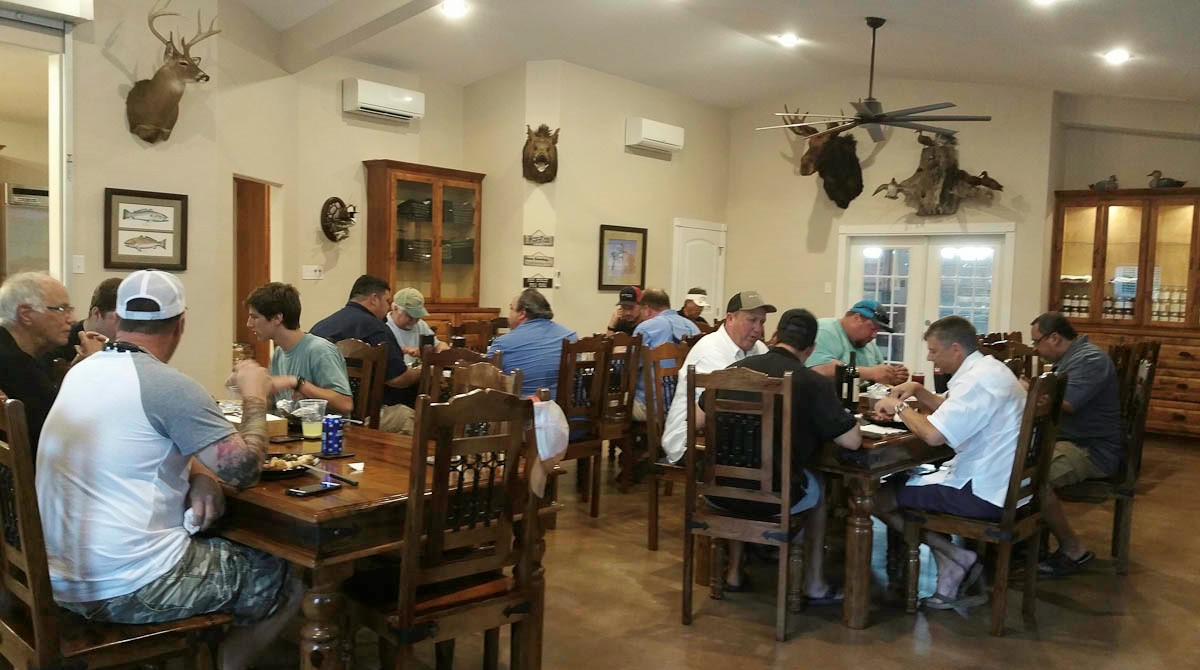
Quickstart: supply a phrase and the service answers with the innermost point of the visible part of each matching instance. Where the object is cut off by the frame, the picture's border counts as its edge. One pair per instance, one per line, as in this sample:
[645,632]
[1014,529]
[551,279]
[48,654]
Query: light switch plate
[77,264]
[312,271]
[829,287]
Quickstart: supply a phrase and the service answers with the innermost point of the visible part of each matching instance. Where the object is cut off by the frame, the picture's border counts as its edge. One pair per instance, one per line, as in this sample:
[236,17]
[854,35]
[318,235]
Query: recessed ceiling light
[788,40]
[1044,3]
[455,9]
[1117,56]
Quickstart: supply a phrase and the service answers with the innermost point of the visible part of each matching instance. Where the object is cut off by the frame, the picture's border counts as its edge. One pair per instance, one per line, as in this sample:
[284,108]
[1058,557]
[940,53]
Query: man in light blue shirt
[535,343]
[660,325]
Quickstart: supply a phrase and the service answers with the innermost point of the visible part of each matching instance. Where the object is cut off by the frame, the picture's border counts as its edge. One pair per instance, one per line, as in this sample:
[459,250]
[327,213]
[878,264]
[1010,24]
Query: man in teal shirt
[855,332]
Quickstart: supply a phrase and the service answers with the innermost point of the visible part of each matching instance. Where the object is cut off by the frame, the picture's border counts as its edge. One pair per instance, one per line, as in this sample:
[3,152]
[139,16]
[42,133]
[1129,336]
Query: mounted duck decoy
[1159,181]
[1109,184]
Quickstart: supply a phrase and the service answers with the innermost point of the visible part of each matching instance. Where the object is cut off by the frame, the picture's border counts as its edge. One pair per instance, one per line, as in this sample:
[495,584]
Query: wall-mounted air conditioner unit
[647,134]
[381,101]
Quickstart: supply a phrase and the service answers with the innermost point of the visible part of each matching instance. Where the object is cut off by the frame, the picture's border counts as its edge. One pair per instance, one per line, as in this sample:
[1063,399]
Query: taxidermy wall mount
[336,219]
[539,158]
[152,107]
[831,155]
[938,185]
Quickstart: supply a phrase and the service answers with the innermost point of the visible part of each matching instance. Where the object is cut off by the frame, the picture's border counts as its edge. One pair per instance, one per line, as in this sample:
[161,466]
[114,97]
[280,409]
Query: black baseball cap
[748,300]
[797,328]
[630,295]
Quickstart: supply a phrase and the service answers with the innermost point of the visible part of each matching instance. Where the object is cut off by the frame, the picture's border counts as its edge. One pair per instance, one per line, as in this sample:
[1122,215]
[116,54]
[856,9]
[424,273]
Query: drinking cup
[311,413]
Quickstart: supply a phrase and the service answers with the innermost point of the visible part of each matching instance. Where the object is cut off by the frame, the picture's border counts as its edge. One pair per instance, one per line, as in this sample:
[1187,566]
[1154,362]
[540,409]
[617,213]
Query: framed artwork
[144,229]
[622,257]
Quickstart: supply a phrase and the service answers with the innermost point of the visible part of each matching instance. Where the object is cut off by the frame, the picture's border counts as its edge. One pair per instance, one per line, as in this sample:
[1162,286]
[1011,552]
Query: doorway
[698,260]
[25,236]
[252,251]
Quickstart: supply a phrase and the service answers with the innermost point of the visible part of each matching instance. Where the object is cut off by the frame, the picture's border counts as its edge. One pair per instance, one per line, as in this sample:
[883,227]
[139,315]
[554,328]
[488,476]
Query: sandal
[833,596]
[738,588]
[938,601]
[1061,565]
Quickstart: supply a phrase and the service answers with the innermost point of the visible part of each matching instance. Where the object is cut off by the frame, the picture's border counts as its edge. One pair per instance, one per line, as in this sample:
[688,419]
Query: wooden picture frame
[144,230]
[622,258]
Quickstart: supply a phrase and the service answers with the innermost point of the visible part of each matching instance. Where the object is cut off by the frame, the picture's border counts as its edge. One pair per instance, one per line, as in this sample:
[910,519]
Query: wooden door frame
[252,254]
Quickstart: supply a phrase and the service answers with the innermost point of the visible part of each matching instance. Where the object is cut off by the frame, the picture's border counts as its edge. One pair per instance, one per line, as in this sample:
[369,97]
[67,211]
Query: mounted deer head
[152,107]
[833,156]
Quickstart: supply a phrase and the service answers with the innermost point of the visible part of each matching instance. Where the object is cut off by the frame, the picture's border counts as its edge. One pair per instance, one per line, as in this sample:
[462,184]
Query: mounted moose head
[539,158]
[153,105]
[833,157]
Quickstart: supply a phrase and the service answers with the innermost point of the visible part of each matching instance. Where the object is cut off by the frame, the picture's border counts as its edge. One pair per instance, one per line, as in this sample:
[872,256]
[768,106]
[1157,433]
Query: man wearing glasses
[35,318]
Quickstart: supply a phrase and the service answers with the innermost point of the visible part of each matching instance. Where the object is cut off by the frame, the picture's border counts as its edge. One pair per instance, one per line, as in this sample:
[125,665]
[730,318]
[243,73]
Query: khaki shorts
[397,419]
[1071,465]
[214,575]
[639,410]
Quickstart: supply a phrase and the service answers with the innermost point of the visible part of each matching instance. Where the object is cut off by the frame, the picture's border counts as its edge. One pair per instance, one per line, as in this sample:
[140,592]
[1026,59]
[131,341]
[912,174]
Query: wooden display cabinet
[423,231]
[1125,266]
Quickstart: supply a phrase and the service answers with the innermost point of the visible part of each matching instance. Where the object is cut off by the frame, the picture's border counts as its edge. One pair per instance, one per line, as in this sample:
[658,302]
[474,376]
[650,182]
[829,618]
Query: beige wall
[783,229]
[24,159]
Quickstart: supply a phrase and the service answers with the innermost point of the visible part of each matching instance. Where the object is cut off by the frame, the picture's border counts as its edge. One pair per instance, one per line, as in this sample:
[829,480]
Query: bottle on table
[849,384]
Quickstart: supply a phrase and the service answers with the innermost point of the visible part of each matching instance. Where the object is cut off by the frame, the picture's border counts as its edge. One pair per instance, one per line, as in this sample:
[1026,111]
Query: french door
[918,279]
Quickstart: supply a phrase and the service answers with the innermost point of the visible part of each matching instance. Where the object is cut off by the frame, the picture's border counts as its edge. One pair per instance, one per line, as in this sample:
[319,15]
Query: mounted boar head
[831,155]
[152,107]
[539,158]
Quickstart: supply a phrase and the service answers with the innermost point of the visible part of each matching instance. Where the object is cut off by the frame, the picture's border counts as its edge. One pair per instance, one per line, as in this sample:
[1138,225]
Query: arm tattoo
[240,456]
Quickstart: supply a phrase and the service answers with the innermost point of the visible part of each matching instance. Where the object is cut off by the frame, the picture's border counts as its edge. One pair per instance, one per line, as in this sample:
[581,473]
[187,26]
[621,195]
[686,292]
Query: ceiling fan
[870,111]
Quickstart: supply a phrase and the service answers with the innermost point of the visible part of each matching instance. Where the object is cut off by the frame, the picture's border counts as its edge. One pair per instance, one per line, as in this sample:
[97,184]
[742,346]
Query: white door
[698,260]
[918,279]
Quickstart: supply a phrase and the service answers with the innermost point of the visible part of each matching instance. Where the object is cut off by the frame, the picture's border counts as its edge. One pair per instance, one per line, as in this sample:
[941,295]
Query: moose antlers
[804,130]
[159,10]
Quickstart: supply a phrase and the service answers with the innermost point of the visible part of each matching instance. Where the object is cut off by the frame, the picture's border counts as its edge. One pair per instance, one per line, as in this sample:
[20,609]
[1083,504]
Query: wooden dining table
[862,470]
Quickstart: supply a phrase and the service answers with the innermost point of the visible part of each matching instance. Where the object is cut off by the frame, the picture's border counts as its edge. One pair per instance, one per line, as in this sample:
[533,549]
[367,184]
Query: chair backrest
[741,411]
[465,525]
[1035,447]
[582,374]
[478,333]
[366,366]
[1015,355]
[465,377]
[691,340]
[28,622]
[660,375]
[1133,427]
[437,366]
[621,381]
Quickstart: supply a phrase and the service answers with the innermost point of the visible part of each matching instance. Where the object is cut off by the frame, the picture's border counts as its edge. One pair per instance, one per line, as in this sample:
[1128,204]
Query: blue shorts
[947,500]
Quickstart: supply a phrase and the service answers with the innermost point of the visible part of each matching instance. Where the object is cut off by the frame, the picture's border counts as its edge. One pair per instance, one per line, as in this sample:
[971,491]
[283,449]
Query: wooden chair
[366,366]
[436,369]
[660,374]
[466,377]
[691,340]
[459,540]
[1122,358]
[582,378]
[34,631]
[1027,481]
[478,333]
[620,387]
[740,463]
[1122,486]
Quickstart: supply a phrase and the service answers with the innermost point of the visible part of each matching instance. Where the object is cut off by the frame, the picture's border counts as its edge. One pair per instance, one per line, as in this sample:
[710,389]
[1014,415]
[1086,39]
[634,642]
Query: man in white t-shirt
[406,320]
[980,418]
[115,493]
[740,336]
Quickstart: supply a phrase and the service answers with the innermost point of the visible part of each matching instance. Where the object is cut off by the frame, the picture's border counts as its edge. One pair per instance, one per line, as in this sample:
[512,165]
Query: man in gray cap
[740,336]
[406,320]
[118,505]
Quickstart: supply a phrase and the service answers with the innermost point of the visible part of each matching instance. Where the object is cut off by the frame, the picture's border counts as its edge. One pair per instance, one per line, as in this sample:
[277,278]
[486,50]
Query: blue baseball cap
[872,310]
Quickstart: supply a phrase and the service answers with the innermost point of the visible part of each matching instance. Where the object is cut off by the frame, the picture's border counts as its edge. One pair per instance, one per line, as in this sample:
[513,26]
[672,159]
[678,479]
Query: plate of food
[283,466]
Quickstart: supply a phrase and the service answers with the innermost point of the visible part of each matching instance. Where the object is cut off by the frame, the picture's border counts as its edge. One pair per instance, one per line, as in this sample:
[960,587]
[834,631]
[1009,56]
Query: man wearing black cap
[628,313]
[855,332]
[817,417]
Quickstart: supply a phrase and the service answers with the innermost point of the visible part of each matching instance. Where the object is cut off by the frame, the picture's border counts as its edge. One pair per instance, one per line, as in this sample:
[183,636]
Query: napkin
[551,432]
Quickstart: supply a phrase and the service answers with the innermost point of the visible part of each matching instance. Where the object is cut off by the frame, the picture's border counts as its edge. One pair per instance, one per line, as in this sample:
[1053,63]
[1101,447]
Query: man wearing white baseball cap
[695,302]
[118,505]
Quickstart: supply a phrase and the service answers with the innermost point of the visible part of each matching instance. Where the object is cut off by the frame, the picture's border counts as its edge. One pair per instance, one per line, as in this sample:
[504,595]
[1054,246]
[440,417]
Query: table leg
[323,605]
[858,551]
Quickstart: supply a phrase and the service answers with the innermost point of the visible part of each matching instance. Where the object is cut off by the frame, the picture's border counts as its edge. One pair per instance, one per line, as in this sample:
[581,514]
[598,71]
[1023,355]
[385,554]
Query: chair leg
[781,594]
[444,654]
[1029,601]
[582,469]
[595,493]
[652,514]
[388,658]
[491,649]
[795,594]
[1122,532]
[1000,587]
[716,578]
[912,542]
[689,553]
[516,646]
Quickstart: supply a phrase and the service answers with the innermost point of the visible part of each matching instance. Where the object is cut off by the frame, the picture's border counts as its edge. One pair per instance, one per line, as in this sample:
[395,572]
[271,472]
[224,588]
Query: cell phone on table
[313,489]
[282,439]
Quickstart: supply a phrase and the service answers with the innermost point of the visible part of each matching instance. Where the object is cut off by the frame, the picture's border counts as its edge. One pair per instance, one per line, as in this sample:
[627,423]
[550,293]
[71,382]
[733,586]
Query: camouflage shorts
[214,575]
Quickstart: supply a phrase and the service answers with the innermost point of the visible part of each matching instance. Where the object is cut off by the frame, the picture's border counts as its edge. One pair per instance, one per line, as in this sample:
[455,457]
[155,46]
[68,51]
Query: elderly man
[1089,429]
[659,325]
[855,332]
[535,342]
[740,336]
[406,320]
[303,365]
[362,319]
[980,418]
[817,417]
[101,318]
[628,313]
[694,303]
[35,318]
[115,494]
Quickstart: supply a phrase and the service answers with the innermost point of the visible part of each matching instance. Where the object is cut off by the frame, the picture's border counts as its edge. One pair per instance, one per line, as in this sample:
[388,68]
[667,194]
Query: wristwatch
[299,382]
[900,408]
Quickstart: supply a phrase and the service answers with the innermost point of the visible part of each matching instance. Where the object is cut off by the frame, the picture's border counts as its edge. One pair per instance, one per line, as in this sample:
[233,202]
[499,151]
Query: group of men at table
[128,447]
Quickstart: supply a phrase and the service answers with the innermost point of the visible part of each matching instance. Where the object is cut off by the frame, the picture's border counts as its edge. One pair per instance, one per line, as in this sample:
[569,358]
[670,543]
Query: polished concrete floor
[611,603]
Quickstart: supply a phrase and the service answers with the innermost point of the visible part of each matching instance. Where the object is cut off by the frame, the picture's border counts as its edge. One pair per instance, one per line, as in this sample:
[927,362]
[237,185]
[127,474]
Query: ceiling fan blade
[918,110]
[919,126]
[940,117]
[799,125]
[820,116]
[836,129]
[868,107]
[874,131]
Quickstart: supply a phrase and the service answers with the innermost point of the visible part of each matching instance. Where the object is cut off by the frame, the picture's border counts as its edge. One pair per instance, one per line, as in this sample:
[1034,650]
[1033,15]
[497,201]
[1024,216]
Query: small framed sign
[539,239]
[538,281]
[144,229]
[539,260]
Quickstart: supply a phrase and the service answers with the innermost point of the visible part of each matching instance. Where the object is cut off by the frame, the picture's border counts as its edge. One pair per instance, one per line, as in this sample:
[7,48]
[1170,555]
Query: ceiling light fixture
[455,9]
[788,40]
[1117,56]
[1044,3]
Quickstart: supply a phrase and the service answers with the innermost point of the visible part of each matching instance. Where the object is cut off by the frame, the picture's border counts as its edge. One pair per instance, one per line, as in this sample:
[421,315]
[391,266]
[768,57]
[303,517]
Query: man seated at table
[535,342]
[740,336]
[817,417]
[855,332]
[362,319]
[113,484]
[406,320]
[660,325]
[303,365]
[980,418]
[628,313]
[35,318]
[694,303]
[101,318]
[1089,428]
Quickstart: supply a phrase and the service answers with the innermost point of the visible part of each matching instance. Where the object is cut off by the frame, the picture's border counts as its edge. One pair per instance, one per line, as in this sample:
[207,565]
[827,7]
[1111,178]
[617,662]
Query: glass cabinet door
[1171,257]
[459,247]
[414,236]
[1078,252]
[1122,246]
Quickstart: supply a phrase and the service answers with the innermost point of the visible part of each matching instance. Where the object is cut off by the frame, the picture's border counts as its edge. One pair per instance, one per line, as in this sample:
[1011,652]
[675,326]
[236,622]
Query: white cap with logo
[162,288]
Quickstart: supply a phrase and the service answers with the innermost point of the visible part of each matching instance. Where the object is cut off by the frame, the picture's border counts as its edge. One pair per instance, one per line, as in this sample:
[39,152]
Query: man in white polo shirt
[740,336]
[980,418]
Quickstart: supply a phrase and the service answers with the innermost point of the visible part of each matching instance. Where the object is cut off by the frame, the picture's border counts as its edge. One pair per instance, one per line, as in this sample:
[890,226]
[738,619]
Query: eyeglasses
[1038,340]
[61,309]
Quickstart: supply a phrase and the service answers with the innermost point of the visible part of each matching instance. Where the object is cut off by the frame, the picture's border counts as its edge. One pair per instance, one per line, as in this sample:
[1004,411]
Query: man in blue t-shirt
[660,325]
[535,343]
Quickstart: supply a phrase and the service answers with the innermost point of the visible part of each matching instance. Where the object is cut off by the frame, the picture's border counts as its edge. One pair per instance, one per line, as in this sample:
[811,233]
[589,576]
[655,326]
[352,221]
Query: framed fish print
[144,229]
[622,257]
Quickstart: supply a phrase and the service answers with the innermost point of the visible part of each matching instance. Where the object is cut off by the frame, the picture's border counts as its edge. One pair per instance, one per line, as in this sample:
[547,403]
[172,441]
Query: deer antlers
[159,10]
